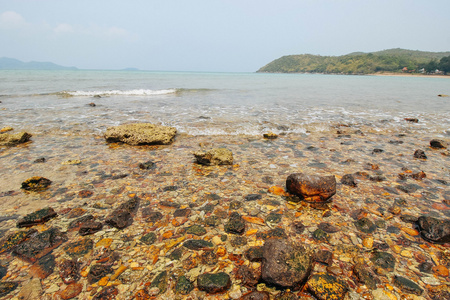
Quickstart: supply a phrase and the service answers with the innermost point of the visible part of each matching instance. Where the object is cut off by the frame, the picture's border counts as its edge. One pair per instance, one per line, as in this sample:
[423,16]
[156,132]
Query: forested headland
[392,60]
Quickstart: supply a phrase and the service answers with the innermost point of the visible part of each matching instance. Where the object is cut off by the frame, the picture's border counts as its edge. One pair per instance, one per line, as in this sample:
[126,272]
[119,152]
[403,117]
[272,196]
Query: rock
[270,135]
[425,267]
[442,95]
[412,120]
[151,215]
[365,225]
[311,187]
[37,217]
[252,197]
[383,260]
[235,224]
[71,162]
[434,230]
[438,144]
[79,248]
[149,238]
[254,254]
[196,230]
[285,264]
[31,290]
[218,156]
[92,104]
[349,180]
[108,293]
[183,286]
[7,139]
[15,239]
[69,271]
[407,285]
[160,281]
[320,235]
[119,219]
[3,271]
[198,244]
[329,228]
[324,257]
[148,165]
[71,291]
[39,245]
[141,134]
[420,154]
[214,283]
[39,160]
[256,295]
[90,227]
[97,272]
[366,276]
[44,266]
[77,223]
[248,277]
[6,128]
[327,287]
[7,287]
[36,184]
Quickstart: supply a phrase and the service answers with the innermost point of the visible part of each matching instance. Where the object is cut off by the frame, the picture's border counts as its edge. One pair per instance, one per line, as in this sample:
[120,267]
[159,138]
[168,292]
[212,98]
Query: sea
[203,104]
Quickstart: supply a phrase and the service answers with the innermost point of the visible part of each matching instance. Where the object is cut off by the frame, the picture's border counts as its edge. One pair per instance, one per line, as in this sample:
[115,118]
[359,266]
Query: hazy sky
[213,35]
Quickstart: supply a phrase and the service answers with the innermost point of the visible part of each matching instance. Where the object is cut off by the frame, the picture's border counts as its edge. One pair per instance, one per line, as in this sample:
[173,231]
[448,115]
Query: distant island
[15,64]
[386,61]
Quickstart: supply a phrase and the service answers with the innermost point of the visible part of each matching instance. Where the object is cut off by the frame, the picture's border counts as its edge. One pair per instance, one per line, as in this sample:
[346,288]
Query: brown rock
[218,156]
[37,217]
[311,187]
[438,144]
[256,295]
[71,291]
[141,134]
[7,139]
[69,271]
[36,184]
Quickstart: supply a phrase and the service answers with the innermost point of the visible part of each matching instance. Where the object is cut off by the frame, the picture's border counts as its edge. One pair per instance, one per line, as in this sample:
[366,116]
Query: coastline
[409,75]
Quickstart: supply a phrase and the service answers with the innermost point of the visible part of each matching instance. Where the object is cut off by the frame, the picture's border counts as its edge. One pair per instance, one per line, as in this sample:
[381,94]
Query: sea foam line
[137,92]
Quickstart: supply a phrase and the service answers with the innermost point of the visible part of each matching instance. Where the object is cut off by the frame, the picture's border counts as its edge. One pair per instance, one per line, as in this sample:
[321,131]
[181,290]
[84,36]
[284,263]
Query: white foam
[138,92]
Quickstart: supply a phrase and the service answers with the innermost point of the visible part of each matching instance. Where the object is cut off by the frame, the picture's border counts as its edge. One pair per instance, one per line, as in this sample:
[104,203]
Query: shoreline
[409,75]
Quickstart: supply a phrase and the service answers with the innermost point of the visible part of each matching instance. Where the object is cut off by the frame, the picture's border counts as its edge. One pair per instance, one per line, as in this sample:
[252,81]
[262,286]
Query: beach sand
[187,194]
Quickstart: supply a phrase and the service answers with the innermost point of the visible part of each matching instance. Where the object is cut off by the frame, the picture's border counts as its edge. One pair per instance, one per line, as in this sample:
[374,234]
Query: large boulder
[313,188]
[285,264]
[434,230]
[218,156]
[141,134]
[7,139]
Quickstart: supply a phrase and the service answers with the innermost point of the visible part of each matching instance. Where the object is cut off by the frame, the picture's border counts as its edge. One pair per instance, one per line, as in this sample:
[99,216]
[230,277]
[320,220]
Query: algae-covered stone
[141,134]
[37,217]
[7,287]
[218,156]
[7,139]
[160,281]
[36,184]
[214,283]
[384,260]
[434,230]
[407,285]
[327,287]
[365,225]
[198,244]
[196,229]
[149,238]
[183,286]
[235,224]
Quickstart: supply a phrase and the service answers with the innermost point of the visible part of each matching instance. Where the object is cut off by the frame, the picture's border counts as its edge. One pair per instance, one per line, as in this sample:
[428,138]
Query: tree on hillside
[444,64]
[431,66]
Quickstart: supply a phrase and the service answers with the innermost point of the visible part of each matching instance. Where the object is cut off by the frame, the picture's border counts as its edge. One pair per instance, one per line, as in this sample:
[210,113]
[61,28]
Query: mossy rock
[7,139]
[141,134]
[218,156]
[36,184]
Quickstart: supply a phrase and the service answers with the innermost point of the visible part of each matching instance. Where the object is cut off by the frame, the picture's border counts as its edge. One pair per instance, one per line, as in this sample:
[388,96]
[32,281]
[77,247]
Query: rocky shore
[344,215]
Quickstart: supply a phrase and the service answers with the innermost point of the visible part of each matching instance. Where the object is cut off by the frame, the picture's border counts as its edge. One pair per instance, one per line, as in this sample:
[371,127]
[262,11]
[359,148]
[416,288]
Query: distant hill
[391,60]
[15,64]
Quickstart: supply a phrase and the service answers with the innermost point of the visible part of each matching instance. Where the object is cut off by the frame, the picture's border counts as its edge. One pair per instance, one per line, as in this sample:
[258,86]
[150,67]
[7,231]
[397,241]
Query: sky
[213,35]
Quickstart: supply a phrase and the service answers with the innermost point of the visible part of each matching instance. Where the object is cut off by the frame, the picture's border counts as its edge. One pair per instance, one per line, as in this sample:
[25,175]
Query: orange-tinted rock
[440,270]
[311,187]
[277,190]
[71,291]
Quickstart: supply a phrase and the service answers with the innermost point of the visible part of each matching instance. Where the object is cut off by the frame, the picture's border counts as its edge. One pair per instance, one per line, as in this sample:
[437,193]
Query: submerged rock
[214,283]
[327,287]
[313,188]
[218,156]
[434,230]
[348,179]
[141,134]
[270,135]
[37,217]
[7,139]
[7,287]
[285,264]
[36,184]
[420,154]
[438,144]
[407,285]
[235,224]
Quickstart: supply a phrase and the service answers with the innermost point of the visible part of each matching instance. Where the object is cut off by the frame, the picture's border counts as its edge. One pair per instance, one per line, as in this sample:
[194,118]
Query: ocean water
[221,103]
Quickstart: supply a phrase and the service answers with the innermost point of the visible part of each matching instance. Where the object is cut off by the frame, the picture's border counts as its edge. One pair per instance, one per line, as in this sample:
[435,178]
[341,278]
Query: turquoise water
[221,103]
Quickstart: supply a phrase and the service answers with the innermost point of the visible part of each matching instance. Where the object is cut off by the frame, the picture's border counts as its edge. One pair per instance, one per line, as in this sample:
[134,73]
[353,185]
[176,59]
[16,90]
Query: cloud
[12,20]
[63,28]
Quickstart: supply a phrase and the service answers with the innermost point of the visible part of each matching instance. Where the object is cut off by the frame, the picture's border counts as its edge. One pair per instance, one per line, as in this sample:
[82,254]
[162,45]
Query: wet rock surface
[327,287]
[141,134]
[311,187]
[214,283]
[434,230]
[36,184]
[219,156]
[13,139]
[37,217]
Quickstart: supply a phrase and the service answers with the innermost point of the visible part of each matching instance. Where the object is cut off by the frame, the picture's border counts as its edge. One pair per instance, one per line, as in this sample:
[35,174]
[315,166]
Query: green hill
[392,60]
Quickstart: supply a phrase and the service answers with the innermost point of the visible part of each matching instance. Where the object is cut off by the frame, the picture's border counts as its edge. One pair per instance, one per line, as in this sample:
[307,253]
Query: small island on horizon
[389,62]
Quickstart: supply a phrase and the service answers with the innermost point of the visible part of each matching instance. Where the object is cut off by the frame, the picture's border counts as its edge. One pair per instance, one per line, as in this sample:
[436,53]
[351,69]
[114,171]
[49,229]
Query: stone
[182,212]
[196,230]
[270,135]
[72,162]
[235,224]
[15,239]
[327,287]
[79,248]
[434,230]
[329,228]
[438,144]
[97,272]
[150,215]
[31,290]
[36,184]
[119,219]
[320,235]
[149,238]
[69,271]
[324,257]
[198,244]
[365,225]
[249,277]
[3,271]
[214,283]
[77,223]
[366,276]
[252,197]
[108,293]
[7,287]
[90,227]
[285,264]
[6,128]
[254,254]
[383,260]
[131,205]
[7,139]
[39,160]
[420,154]
[407,286]
[37,217]
[44,266]
[349,180]
[256,295]
[141,134]
[39,245]
[183,286]
[160,281]
[412,120]
[217,156]
[71,291]
[312,188]
[148,165]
